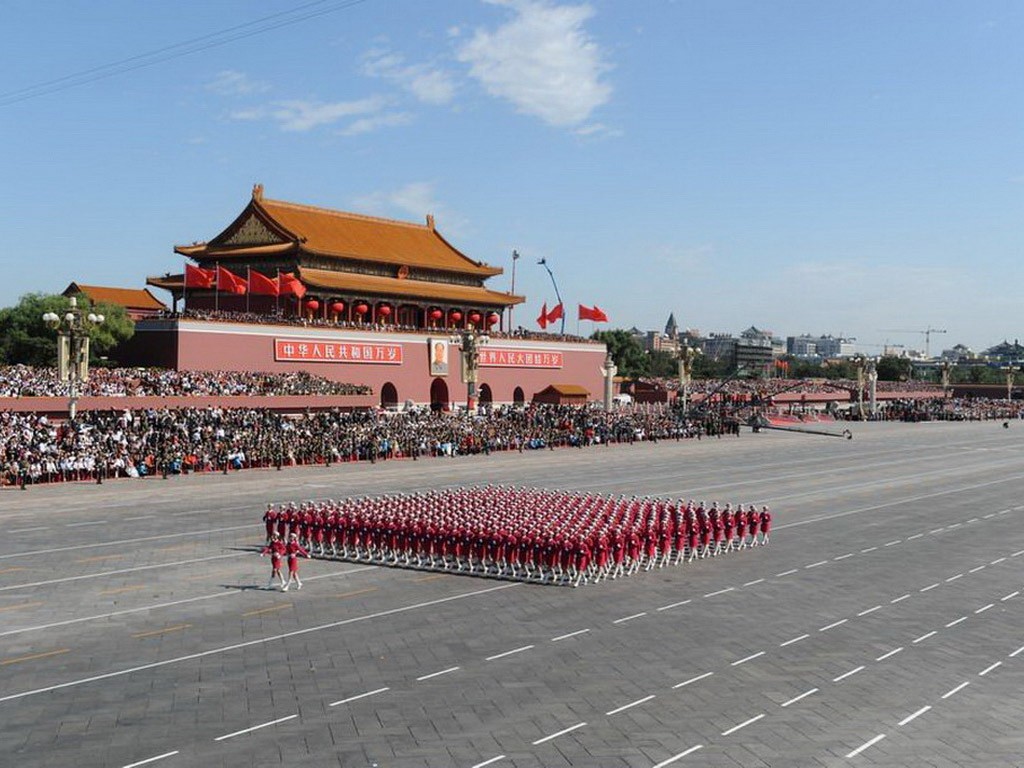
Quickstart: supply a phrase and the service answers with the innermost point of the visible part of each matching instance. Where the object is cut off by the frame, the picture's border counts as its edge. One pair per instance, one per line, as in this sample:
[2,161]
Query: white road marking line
[255,728]
[865,745]
[624,619]
[893,652]
[36,528]
[989,668]
[984,608]
[744,724]
[843,557]
[636,703]
[893,543]
[869,610]
[955,525]
[794,640]
[674,605]
[803,695]
[915,536]
[680,756]
[560,733]
[898,599]
[989,515]
[975,570]
[956,621]
[815,565]
[1018,553]
[847,674]
[719,592]
[751,657]
[914,716]
[998,560]
[833,625]
[869,549]
[786,573]
[1009,596]
[508,653]
[571,634]
[489,762]
[972,520]
[936,530]
[149,760]
[257,641]
[960,687]
[358,696]
[752,583]
[90,522]
[930,586]
[1017,651]
[437,674]
[925,636]
[692,680]
[140,517]
[954,578]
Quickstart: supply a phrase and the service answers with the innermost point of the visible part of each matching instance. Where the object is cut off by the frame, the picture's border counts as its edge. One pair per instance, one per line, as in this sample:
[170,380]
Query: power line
[177,50]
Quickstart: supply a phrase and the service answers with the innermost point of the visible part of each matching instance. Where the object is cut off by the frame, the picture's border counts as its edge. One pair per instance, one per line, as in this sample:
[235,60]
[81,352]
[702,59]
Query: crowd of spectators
[950,409]
[223,315]
[774,386]
[27,381]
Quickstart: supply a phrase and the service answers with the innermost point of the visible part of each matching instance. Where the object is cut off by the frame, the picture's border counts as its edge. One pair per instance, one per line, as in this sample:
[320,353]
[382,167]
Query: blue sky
[800,166]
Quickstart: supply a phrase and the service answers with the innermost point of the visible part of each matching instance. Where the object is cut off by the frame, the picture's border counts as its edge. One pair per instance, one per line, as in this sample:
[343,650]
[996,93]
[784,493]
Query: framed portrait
[437,352]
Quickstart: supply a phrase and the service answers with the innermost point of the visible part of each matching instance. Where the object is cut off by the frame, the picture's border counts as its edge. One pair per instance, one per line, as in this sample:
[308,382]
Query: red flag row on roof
[223,279]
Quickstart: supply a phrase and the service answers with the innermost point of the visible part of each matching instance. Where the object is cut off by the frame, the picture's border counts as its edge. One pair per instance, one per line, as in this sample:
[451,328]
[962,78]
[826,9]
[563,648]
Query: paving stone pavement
[882,626]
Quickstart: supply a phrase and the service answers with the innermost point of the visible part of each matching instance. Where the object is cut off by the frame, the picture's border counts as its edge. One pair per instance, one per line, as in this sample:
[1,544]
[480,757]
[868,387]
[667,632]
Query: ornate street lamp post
[469,342]
[687,354]
[73,347]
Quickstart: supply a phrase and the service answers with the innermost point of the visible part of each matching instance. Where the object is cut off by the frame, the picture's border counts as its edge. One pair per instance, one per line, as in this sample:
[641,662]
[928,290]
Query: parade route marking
[1017,651]
[437,674]
[271,609]
[751,657]
[898,599]
[164,631]
[680,756]
[786,573]
[925,636]
[636,703]
[12,569]
[893,652]
[97,558]
[121,590]
[794,640]
[509,653]
[90,522]
[624,619]
[121,570]
[255,728]
[744,724]
[929,587]
[29,530]
[149,760]
[489,762]
[19,606]
[833,625]
[869,610]
[953,691]
[681,602]
[432,577]
[843,557]
[358,696]
[997,561]
[803,695]
[34,656]
[956,621]
[815,565]
[984,608]
[1009,596]
[954,578]
[571,634]
[848,674]
[719,592]
[914,716]
[692,680]
[140,517]
[559,733]
[977,568]
[747,584]
[865,745]
[989,668]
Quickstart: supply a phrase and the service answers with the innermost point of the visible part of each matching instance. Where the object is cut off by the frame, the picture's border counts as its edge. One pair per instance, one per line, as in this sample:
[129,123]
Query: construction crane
[927,332]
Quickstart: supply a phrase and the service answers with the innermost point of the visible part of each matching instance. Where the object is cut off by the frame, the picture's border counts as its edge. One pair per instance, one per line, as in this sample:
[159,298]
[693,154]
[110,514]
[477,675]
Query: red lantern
[384,311]
[474,317]
[493,318]
[435,314]
[337,307]
[312,305]
[455,315]
[361,309]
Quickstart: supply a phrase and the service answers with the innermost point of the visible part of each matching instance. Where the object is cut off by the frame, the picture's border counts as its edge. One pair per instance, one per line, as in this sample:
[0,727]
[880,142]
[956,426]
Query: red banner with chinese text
[496,357]
[293,350]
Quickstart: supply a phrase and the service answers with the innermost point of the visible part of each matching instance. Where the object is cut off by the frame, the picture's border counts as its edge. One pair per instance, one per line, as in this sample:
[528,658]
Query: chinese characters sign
[495,357]
[291,350]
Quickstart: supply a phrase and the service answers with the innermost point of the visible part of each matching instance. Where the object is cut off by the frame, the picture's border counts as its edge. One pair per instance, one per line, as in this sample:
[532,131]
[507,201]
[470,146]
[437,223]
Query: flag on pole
[229,282]
[197,277]
[261,285]
[290,285]
[557,313]
[594,313]
[542,319]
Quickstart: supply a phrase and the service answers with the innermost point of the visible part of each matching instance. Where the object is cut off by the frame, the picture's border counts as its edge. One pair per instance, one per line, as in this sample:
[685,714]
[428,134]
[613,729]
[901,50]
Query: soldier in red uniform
[293,550]
[276,549]
[766,523]
[270,520]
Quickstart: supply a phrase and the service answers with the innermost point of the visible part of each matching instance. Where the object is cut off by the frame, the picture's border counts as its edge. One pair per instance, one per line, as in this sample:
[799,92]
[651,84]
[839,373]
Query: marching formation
[524,534]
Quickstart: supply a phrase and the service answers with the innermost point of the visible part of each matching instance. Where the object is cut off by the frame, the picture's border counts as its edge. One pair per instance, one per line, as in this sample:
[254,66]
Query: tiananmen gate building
[353,298]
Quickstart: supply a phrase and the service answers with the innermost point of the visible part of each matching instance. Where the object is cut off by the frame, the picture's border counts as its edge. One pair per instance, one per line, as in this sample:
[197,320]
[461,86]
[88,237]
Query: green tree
[891,368]
[663,364]
[25,339]
[630,357]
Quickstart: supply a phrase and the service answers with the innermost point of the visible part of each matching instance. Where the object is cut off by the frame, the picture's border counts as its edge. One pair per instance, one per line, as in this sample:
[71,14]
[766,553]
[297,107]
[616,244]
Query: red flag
[197,277]
[542,319]
[261,285]
[290,285]
[229,282]
[556,313]
[594,313]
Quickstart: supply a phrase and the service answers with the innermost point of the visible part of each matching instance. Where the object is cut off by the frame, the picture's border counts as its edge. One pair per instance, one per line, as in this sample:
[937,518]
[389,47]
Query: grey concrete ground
[883,626]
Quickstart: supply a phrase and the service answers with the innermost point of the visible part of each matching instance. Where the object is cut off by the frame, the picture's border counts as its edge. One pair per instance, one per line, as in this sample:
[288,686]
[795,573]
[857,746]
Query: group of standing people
[524,534]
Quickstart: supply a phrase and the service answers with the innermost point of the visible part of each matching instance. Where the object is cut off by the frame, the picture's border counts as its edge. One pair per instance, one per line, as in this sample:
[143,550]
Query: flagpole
[544,263]
[277,296]
[184,287]
[216,286]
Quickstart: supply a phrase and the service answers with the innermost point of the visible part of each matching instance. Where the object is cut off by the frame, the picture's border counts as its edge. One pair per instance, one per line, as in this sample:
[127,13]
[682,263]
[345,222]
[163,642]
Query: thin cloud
[542,61]
[427,83]
[230,82]
[370,124]
[300,115]
[413,201]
